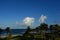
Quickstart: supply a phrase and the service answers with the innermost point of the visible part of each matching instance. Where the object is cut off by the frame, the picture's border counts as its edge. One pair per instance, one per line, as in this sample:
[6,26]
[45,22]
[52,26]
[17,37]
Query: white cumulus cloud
[42,19]
[28,21]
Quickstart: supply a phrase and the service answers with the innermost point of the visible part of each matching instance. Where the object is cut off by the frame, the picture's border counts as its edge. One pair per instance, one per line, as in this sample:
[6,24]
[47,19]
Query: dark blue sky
[16,10]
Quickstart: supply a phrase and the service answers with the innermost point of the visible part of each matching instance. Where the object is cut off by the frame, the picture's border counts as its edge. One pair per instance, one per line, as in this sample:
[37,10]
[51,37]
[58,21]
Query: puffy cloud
[42,19]
[28,21]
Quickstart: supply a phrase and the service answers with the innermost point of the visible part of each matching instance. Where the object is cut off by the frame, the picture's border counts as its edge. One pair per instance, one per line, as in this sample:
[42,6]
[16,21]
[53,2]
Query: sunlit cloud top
[28,21]
[42,19]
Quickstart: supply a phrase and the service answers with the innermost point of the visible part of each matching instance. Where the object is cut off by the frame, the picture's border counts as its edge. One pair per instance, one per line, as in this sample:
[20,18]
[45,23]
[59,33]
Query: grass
[40,36]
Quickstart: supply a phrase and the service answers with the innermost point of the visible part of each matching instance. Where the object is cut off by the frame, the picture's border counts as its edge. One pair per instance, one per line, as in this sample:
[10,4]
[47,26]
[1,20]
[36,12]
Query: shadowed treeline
[42,32]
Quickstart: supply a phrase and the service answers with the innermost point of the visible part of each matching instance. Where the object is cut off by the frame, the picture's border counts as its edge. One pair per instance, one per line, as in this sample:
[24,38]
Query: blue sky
[16,10]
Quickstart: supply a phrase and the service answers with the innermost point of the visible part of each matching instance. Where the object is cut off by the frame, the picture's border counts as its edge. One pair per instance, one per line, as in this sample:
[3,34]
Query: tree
[52,27]
[27,35]
[8,30]
[0,31]
[44,26]
[28,30]
[37,29]
[57,28]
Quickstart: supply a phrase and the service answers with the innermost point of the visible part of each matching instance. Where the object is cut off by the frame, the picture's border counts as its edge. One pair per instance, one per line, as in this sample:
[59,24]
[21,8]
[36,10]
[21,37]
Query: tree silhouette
[37,29]
[43,26]
[57,28]
[27,35]
[0,31]
[28,30]
[52,28]
[8,30]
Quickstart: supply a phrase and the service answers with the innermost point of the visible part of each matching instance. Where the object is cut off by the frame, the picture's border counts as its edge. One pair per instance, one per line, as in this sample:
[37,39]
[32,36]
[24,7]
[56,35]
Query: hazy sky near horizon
[14,11]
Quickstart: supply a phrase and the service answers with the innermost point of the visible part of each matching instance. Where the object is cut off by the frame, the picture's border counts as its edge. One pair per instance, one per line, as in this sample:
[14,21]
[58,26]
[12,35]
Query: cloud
[42,19]
[28,21]
[16,23]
